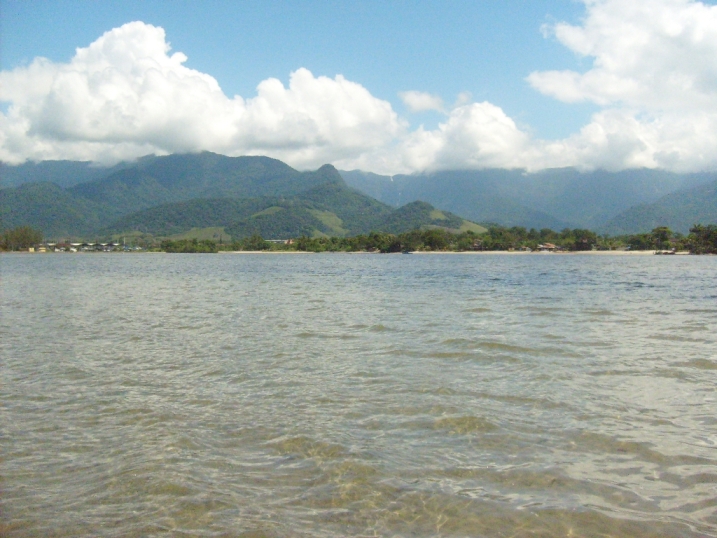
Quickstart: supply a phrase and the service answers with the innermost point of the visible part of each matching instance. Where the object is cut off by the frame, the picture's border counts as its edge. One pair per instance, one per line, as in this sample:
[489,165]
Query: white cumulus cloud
[654,71]
[656,54]
[125,96]
[421,101]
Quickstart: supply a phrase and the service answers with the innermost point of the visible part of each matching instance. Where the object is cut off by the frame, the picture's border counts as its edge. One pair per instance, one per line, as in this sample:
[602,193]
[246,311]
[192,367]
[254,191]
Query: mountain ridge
[89,202]
[554,198]
[172,194]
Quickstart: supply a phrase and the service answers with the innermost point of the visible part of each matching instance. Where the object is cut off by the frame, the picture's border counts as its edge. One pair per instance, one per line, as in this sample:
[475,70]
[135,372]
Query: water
[358,395]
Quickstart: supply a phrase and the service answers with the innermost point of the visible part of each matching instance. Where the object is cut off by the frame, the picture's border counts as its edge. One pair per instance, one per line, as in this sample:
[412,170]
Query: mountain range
[174,194]
[170,195]
[607,202]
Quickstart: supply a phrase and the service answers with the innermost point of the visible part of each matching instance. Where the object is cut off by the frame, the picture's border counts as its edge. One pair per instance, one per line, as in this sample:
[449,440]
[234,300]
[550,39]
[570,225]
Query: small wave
[500,346]
[492,345]
[671,337]
[451,355]
[599,312]
[540,403]
[474,349]
[702,364]
[308,448]
[310,334]
[542,308]
[465,425]
[601,443]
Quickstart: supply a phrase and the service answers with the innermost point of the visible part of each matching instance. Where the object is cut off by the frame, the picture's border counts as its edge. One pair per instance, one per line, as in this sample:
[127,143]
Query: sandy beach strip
[533,253]
[470,252]
[264,252]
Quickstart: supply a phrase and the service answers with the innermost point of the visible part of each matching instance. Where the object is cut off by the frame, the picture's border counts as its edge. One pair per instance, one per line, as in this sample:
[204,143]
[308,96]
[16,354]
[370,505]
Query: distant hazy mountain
[491,197]
[679,211]
[589,199]
[476,197]
[62,173]
[548,199]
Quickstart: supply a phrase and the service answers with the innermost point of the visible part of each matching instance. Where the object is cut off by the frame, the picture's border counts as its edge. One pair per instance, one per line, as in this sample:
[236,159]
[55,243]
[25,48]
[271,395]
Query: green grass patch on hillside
[268,211]
[330,220]
[437,214]
[468,226]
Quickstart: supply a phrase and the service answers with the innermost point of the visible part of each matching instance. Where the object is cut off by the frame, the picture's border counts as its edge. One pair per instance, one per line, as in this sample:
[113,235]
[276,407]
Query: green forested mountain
[49,208]
[554,199]
[172,194]
[417,215]
[94,205]
[173,219]
[679,211]
[329,209]
[168,196]
[177,178]
[358,213]
[269,217]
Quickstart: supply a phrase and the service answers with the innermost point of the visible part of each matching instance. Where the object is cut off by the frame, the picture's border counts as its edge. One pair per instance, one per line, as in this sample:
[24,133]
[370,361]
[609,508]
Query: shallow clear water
[358,395]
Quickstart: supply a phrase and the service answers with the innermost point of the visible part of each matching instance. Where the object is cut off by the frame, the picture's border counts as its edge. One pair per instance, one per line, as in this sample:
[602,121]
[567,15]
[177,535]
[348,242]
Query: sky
[383,86]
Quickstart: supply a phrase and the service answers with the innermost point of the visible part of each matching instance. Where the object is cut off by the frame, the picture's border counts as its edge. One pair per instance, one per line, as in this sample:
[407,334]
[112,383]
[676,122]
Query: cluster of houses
[544,247]
[83,247]
[547,247]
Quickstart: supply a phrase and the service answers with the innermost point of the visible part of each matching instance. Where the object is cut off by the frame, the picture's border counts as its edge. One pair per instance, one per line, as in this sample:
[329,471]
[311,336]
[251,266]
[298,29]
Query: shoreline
[524,253]
[264,252]
[472,252]
[418,252]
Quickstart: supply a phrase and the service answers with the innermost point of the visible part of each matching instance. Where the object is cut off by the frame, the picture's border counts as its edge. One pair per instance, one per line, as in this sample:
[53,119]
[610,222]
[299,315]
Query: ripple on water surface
[338,395]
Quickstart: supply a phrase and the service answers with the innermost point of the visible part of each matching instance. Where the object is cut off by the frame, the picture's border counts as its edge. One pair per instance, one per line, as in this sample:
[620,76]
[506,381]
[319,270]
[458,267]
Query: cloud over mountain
[125,96]
[653,72]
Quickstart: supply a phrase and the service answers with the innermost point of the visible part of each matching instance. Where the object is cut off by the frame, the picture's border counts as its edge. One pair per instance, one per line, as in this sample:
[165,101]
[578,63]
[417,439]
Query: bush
[703,239]
[20,237]
[189,246]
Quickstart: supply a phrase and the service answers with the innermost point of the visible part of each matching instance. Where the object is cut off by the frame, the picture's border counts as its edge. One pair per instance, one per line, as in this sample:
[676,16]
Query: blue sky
[487,50]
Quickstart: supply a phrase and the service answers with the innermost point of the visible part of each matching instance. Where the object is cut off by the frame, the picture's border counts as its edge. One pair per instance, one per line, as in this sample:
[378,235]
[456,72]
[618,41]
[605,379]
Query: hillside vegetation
[244,196]
[168,196]
[51,209]
[331,209]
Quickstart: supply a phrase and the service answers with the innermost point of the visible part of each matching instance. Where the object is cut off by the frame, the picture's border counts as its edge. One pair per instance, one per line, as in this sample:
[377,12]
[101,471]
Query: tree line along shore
[702,239]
